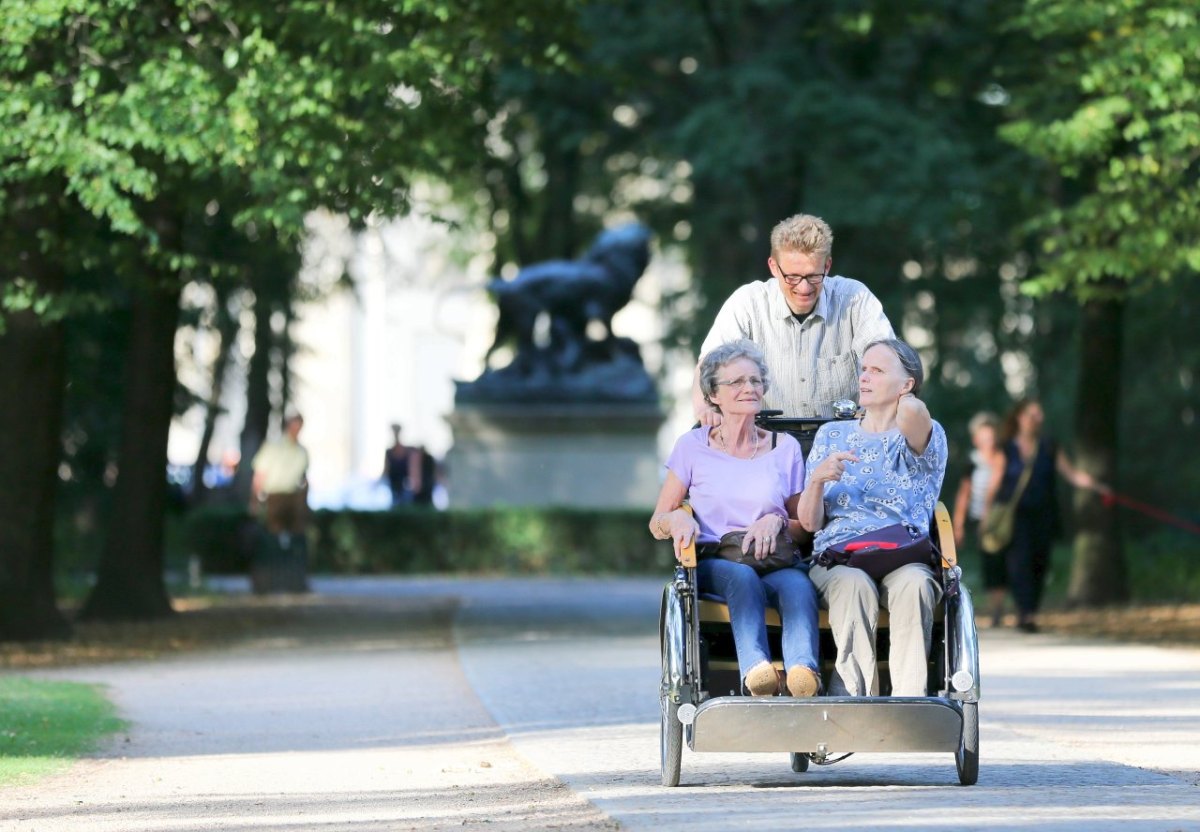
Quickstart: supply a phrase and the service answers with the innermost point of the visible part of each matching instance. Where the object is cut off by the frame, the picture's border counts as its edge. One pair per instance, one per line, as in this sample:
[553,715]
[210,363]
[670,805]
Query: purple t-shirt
[727,493]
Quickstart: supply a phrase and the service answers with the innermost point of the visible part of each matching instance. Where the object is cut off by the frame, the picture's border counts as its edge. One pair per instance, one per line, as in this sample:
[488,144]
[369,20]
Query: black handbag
[881,551]
[730,548]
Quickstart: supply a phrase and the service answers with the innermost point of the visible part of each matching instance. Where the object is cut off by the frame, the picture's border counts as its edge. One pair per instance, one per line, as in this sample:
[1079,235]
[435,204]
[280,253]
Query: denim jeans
[748,595]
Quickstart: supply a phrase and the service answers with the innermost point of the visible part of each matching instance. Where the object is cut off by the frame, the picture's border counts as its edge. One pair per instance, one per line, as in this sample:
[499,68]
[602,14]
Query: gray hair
[909,360]
[728,352]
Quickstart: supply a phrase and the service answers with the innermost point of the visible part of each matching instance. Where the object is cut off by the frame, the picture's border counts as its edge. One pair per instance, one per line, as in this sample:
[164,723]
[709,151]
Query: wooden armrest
[688,556]
[945,530]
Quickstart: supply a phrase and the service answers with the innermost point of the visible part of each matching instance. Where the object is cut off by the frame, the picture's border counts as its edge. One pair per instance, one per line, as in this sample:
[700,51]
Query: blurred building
[388,351]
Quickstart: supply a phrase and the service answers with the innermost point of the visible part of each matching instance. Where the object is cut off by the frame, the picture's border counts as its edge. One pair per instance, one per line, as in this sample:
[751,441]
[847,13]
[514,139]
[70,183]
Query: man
[280,482]
[813,327]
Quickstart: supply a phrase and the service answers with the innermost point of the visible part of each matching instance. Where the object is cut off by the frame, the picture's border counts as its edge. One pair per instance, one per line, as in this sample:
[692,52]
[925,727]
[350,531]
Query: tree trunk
[1098,574]
[32,376]
[129,582]
[258,396]
[227,330]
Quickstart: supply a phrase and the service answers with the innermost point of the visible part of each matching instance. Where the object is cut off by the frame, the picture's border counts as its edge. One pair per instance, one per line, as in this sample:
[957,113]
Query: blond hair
[804,233]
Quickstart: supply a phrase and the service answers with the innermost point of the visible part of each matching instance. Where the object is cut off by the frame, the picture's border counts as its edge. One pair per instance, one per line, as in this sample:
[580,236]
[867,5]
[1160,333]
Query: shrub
[415,540]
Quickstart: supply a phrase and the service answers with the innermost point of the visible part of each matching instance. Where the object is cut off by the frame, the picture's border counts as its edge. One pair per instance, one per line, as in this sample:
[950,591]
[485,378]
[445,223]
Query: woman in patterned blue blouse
[885,468]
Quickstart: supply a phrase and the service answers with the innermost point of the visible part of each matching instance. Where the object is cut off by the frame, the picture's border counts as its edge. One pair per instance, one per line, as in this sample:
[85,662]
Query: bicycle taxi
[701,689]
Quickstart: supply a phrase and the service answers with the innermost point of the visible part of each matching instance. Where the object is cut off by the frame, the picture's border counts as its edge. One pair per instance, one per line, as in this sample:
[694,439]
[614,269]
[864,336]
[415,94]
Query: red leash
[1111,498]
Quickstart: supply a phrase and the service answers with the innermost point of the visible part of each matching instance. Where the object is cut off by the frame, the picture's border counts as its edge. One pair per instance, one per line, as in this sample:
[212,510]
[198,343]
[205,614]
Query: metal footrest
[826,723]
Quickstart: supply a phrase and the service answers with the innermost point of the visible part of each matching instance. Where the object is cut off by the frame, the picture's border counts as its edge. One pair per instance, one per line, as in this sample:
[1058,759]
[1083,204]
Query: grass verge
[45,725]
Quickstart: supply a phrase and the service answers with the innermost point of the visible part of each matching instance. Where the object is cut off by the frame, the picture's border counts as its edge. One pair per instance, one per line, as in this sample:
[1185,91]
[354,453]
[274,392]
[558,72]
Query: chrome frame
[962,642]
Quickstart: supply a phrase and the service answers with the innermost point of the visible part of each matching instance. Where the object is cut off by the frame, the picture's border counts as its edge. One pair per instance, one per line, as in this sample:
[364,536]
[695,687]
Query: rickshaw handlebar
[806,426]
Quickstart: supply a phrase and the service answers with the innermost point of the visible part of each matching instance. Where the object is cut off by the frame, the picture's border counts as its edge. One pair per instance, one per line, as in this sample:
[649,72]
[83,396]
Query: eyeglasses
[794,279]
[740,383]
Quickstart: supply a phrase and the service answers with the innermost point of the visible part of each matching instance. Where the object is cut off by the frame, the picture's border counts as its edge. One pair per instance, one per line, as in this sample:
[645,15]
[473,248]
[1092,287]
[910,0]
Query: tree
[1113,109]
[143,114]
[31,392]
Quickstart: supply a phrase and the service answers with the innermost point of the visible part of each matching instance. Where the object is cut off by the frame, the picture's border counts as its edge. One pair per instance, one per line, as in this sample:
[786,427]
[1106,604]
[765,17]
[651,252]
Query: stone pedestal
[599,455]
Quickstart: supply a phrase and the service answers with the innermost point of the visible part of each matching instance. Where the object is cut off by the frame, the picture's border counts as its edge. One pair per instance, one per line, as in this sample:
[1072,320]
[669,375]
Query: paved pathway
[381,733]
[1075,735]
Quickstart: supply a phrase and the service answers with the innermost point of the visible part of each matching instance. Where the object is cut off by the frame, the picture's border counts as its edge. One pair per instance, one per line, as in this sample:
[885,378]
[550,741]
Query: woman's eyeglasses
[740,383]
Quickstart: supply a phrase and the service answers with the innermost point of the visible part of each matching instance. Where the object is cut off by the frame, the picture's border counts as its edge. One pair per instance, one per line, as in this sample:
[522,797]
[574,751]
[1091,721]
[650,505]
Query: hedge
[421,541]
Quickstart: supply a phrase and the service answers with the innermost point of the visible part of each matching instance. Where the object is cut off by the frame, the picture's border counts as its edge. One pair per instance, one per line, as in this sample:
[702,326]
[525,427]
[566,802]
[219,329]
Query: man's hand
[710,418]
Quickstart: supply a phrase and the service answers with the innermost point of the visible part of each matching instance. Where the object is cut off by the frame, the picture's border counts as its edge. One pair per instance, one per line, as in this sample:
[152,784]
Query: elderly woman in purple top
[885,468]
[735,480]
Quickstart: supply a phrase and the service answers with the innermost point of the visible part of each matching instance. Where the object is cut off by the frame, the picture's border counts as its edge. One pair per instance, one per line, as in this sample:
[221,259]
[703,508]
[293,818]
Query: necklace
[725,447]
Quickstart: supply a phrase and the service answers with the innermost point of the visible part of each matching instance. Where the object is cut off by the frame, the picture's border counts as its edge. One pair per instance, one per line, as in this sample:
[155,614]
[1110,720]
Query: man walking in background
[280,497]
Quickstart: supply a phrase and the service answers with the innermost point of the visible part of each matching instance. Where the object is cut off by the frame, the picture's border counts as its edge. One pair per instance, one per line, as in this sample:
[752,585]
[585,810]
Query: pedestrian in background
[970,502]
[424,476]
[1036,520]
[398,465]
[280,498]
[280,483]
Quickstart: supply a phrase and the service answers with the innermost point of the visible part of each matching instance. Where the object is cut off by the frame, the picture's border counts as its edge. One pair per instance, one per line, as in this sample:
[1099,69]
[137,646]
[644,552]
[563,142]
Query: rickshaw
[701,694]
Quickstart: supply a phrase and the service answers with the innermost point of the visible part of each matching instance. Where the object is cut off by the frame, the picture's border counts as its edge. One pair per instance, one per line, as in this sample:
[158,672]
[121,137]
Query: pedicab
[703,704]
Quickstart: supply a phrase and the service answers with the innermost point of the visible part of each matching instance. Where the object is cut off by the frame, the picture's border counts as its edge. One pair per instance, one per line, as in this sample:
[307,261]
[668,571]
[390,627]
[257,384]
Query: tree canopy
[984,165]
[1114,110]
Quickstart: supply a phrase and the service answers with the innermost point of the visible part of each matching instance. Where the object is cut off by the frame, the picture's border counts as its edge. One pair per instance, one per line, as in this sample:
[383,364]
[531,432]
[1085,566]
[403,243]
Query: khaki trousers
[853,599]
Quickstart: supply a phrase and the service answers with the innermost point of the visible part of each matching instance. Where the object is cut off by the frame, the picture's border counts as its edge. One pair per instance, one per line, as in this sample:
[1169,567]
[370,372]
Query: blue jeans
[748,595]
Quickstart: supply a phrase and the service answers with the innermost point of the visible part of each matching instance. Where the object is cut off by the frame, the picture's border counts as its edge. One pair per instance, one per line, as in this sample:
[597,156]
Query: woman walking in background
[1036,522]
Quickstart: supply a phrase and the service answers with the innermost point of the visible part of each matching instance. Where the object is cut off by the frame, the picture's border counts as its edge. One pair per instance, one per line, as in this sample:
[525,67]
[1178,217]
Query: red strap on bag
[860,545]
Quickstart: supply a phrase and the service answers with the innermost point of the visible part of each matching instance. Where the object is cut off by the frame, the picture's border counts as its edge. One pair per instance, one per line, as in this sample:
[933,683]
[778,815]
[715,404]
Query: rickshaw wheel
[799,762]
[670,741]
[966,759]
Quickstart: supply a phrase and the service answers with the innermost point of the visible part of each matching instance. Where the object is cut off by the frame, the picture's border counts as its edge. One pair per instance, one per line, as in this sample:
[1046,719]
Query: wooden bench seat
[715,612]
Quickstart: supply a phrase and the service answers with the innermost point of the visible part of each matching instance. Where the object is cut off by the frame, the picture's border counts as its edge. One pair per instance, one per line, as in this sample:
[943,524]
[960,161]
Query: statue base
[597,455]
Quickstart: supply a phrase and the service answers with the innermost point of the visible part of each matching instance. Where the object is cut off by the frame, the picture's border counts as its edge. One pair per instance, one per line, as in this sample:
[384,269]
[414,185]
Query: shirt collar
[776,301]
[821,310]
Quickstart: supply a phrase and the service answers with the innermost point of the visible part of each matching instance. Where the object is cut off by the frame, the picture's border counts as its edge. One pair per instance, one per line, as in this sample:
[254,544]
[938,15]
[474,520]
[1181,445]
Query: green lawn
[45,725]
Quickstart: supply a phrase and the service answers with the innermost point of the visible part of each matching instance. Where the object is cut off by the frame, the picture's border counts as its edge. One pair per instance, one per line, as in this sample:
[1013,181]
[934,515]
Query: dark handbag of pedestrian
[996,530]
[730,548]
[879,552]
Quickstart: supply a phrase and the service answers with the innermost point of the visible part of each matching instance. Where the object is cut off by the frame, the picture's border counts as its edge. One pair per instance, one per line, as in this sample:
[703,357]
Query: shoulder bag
[996,530]
[881,551]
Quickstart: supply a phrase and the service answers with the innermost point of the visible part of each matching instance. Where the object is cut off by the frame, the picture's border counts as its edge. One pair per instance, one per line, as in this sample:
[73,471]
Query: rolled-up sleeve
[870,322]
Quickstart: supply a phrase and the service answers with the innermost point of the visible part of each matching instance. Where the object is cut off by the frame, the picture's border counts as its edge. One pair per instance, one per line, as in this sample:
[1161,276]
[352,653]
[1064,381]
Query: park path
[553,682]
[1075,736]
[375,732]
